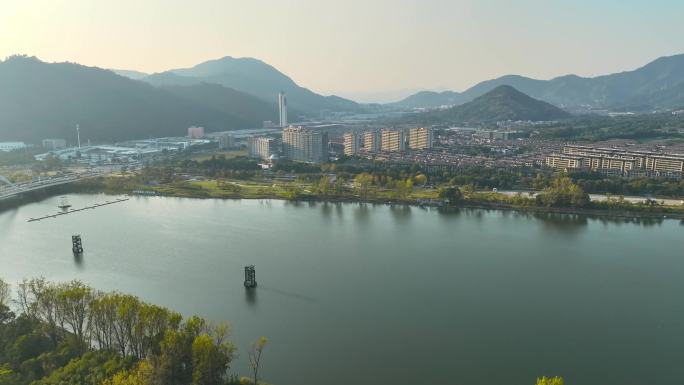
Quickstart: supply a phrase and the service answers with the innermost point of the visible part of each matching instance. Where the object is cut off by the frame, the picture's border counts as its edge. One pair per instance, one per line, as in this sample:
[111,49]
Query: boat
[64,203]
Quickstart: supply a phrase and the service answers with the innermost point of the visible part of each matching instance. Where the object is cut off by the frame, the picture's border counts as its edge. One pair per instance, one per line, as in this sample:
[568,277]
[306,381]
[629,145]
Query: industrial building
[54,144]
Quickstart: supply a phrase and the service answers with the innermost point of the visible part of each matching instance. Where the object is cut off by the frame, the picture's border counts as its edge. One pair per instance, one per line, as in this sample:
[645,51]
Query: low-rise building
[12,146]
[54,144]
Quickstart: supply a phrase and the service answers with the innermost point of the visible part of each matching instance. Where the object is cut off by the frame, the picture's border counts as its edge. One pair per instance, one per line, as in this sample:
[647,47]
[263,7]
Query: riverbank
[420,197]
[237,189]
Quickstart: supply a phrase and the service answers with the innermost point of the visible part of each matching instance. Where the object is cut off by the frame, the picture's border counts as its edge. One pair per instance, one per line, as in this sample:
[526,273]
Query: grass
[228,154]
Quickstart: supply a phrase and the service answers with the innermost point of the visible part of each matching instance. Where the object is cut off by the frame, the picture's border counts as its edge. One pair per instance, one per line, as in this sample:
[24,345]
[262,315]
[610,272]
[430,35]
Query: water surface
[363,294]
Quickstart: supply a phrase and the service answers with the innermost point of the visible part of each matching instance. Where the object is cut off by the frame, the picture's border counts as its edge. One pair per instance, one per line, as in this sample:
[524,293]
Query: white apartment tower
[282,108]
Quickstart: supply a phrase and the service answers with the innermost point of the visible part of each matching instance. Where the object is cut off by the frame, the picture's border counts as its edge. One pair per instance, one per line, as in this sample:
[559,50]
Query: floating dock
[77,210]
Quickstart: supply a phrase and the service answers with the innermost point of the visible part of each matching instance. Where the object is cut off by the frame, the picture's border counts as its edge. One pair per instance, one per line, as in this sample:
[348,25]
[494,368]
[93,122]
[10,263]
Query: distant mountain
[501,103]
[656,85]
[135,75]
[46,100]
[257,78]
[431,99]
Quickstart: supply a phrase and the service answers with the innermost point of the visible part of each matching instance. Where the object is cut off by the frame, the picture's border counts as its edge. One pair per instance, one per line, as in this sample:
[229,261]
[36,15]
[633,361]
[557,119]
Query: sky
[369,50]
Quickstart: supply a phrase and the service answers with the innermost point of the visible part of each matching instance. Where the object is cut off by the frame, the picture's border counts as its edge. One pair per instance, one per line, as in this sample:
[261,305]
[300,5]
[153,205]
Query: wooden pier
[77,210]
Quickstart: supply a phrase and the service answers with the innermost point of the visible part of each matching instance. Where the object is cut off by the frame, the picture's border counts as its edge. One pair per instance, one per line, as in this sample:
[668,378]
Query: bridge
[9,189]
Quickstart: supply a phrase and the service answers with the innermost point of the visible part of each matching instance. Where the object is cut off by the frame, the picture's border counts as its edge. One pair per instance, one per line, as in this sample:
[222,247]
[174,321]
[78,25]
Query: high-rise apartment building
[225,141]
[371,141]
[196,132]
[282,108]
[393,140]
[304,145]
[263,147]
[420,138]
[353,141]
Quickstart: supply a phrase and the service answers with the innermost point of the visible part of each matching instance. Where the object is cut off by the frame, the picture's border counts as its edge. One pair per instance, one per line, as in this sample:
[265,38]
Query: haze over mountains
[657,85]
[46,100]
[42,100]
[256,78]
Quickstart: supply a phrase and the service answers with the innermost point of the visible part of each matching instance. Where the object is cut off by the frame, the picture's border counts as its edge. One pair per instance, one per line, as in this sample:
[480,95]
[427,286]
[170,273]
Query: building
[282,108]
[12,146]
[371,141]
[263,147]
[353,141]
[392,140]
[225,141]
[420,138]
[644,160]
[54,144]
[196,132]
[617,161]
[305,145]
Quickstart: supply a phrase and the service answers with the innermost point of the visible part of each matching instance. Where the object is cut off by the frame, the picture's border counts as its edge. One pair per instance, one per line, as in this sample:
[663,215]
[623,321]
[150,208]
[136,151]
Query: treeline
[597,127]
[69,333]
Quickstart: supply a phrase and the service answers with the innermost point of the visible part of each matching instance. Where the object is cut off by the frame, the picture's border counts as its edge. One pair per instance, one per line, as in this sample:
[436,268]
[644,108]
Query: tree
[255,357]
[550,381]
[452,193]
[5,293]
[362,184]
[421,179]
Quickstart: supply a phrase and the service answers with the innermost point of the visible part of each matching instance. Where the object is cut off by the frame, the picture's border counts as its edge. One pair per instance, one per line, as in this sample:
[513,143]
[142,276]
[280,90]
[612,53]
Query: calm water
[362,294]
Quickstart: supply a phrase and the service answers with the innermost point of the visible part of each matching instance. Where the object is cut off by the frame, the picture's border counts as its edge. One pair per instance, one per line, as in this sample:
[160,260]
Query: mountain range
[657,85]
[41,100]
[256,78]
[500,104]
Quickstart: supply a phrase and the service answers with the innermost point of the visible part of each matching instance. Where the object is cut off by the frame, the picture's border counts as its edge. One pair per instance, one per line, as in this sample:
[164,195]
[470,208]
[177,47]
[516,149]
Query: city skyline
[435,45]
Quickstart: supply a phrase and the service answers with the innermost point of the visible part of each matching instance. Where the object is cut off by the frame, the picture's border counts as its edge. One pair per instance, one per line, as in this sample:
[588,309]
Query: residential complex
[371,141]
[392,140]
[420,138]
[636,163]
[305,145]
[195,132]
[353,142]
[263,147]
[225,141]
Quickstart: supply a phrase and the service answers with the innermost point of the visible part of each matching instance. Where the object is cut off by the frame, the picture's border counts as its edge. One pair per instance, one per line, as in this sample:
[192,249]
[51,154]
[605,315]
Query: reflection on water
[251,296]
[78,260]
[401,212]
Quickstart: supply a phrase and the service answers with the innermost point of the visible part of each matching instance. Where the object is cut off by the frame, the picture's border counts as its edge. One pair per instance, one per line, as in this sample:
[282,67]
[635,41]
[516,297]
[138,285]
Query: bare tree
[5,293]
[255,356]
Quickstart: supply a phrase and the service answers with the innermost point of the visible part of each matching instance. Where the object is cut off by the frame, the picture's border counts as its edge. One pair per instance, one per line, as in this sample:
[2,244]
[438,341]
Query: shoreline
[624,214]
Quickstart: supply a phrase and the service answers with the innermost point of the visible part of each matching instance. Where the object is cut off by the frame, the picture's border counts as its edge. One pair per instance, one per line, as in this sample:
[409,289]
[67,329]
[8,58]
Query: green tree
[550,381]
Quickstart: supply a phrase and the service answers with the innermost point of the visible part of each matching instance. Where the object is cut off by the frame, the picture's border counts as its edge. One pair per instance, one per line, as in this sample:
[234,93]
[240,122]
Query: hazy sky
[367,49]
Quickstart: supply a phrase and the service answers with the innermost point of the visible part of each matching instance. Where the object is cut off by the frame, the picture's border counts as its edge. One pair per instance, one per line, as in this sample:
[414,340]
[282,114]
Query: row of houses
[419,138]
[617,161]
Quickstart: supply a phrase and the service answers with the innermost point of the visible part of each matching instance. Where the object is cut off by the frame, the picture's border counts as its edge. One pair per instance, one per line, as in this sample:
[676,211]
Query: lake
[374,294]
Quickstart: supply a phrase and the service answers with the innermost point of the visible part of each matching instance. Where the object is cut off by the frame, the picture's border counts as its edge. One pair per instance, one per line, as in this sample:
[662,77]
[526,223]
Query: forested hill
[41,100]
[256,78]
[500,104]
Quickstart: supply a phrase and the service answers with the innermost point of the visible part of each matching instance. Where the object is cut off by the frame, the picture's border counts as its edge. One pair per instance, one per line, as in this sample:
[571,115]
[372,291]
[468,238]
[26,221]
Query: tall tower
[78,135]
[282,108]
